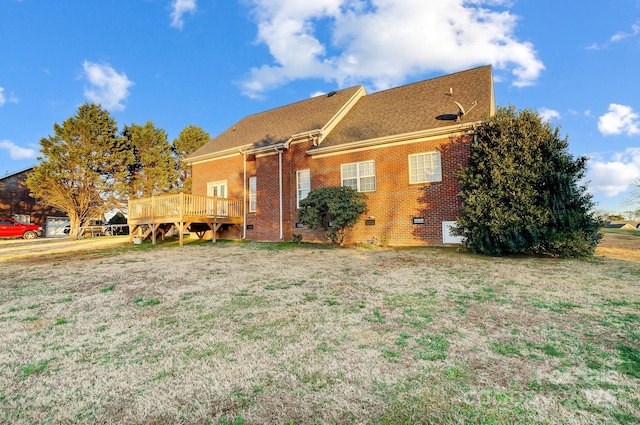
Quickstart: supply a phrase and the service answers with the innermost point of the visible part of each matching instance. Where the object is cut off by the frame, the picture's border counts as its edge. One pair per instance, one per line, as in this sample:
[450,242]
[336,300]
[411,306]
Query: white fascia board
[341,113]
[227,153]
[397,139]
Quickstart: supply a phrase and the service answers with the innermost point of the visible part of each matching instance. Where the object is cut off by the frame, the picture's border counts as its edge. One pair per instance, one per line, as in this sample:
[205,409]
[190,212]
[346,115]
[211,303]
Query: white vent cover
[447,237]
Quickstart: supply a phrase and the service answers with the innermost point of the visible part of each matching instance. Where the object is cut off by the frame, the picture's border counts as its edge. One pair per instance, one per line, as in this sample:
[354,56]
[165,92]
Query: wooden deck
[157,213]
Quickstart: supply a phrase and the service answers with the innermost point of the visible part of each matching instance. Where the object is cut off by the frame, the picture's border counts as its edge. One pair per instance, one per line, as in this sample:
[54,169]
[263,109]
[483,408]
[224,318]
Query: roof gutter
[450,130]
[314,136]
[216,155]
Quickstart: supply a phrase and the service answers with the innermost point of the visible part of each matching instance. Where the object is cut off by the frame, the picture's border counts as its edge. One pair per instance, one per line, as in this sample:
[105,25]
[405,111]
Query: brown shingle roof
[414,107]
[405,109]
[279,124]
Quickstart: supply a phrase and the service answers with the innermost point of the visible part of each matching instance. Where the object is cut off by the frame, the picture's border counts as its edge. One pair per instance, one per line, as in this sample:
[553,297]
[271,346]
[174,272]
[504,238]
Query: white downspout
[280,187]
[244,196]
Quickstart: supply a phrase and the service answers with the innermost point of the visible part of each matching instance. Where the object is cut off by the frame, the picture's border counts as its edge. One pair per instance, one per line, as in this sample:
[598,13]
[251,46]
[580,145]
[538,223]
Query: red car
[9,228]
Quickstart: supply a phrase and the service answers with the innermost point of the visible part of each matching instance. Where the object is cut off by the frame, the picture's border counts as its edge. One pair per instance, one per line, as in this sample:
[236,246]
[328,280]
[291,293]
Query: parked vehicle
[91,228]
[9,228]
[98,228]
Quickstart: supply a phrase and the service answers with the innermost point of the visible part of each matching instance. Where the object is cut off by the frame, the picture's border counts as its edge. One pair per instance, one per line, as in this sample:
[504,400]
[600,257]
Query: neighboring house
[402,147]
[15,202]
[624,225]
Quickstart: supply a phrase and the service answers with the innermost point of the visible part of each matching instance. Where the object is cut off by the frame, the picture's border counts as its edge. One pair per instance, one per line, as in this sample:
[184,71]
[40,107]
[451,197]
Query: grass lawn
[250,333]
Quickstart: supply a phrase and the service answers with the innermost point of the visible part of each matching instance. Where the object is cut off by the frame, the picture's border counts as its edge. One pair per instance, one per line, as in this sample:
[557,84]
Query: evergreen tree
[82,166]
[152,171]
[189,140]
[521,191]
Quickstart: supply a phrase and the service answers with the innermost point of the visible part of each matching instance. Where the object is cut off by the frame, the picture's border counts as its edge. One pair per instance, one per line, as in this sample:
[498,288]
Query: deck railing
[182,206]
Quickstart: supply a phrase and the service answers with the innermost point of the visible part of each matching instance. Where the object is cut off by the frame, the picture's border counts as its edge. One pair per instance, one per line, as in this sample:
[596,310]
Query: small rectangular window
[360,176]
[22,218]
[425,168]
[303,178]
[253,194]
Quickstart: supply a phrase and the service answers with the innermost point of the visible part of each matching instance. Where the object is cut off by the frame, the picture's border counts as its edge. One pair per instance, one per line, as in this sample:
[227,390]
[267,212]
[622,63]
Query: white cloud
[385,41]
[620,119]
[635,30]
[178,9]
[3,98]
[615,175]
[547,114]
[108,88]
[17,152]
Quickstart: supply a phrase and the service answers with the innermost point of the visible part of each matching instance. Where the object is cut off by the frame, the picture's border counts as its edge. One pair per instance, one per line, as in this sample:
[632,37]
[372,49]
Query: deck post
[181,229]
[214,229]
[153,233]
[180,226]
[128,219]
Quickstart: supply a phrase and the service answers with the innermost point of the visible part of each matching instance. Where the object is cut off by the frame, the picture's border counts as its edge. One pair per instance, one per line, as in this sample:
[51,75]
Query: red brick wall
[393,204]
[230,169]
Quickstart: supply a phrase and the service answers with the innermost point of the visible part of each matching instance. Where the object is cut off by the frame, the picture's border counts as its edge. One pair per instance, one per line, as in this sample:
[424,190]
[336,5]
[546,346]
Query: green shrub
[334,209]
[521,191]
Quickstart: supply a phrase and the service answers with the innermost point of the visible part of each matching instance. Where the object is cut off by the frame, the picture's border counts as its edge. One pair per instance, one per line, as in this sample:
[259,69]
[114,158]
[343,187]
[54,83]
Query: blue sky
[209,63]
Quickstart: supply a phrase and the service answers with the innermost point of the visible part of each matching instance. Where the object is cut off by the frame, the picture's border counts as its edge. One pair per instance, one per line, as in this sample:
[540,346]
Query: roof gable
[276,126]
[414,107]
[16,173]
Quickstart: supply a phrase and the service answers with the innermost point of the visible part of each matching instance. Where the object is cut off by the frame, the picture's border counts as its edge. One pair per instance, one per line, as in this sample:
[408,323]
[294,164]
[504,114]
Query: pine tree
[521,191]
[153,169]
[189,140]
[81,167]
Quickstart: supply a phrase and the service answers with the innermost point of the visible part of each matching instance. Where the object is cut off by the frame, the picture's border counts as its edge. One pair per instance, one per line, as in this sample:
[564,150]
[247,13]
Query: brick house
[16,203]
[401,146]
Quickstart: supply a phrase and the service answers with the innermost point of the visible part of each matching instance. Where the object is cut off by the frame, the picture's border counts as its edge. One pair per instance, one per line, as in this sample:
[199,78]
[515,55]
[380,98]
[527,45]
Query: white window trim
[218,183]
[253,195]
[358,176]
[298,189]
[438,177]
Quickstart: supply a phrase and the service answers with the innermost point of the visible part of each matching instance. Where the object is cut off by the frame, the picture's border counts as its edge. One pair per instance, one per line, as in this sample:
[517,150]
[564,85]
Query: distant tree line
[88,167]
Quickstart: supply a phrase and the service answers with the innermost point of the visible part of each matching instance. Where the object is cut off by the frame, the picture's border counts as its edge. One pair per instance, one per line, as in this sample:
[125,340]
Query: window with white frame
[360,176]
[303,178]
[425,167]
[253,194]
[22,218]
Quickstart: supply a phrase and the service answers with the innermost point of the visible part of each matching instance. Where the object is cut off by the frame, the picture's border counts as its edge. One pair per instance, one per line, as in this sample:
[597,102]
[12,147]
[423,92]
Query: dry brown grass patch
[268,334]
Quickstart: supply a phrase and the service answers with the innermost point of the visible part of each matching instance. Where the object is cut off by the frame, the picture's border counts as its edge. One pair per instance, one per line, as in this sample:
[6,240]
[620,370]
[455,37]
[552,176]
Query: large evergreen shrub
[521,191]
